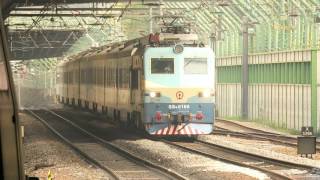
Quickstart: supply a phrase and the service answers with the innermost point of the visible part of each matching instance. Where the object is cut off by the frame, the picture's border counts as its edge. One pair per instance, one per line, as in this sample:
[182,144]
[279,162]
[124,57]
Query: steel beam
[17,9]
[65,15]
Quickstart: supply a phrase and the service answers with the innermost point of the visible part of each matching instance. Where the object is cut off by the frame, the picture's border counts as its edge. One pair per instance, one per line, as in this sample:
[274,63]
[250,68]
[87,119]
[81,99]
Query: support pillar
[245,69]
[315,82]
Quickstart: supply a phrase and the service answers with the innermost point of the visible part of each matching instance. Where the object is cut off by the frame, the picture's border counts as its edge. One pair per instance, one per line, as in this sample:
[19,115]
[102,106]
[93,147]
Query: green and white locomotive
[162,83]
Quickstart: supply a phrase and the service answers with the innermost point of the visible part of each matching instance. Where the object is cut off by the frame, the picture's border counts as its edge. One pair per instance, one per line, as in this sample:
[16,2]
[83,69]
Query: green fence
[283,88]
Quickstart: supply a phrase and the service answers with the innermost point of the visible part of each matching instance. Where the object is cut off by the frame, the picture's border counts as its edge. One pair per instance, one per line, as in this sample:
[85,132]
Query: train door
[135,79]
[135,90]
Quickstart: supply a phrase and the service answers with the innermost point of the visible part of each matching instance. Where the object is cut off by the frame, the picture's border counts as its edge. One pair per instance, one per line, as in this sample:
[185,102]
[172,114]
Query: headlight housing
[206,93]
[154,94]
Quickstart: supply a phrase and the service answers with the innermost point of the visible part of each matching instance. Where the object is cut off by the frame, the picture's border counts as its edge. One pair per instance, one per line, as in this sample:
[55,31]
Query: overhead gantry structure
[273,25]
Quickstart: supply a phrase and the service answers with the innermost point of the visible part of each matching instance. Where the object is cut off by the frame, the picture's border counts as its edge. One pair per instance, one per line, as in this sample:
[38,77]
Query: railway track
[116,161]
[142,135]
[241,128]
[238,130]
[276,169]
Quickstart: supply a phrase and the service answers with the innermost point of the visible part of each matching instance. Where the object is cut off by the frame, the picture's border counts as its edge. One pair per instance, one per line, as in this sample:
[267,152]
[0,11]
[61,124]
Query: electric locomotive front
[179,90]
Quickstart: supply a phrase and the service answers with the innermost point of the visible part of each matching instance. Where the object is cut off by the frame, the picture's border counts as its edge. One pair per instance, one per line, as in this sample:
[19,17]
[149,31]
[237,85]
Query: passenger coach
[163,83]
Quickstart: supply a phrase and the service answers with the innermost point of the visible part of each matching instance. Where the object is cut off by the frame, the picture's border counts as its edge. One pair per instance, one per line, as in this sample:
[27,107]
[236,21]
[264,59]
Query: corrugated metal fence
[283,88]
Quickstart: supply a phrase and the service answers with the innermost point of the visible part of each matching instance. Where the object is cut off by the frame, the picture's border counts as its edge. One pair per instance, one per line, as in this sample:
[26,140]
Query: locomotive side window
[195,66]
[162,66]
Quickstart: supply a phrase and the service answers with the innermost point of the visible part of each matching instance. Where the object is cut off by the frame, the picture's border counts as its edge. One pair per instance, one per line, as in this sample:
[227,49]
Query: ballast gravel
[188,164]
[44,153]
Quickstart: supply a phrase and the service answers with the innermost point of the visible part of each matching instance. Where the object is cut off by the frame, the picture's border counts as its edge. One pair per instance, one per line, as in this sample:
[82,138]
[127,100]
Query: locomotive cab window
[195,66]
[162,66]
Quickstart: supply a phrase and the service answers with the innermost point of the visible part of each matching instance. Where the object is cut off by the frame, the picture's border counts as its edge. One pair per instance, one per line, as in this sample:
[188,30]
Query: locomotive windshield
[162,66]
[195,66]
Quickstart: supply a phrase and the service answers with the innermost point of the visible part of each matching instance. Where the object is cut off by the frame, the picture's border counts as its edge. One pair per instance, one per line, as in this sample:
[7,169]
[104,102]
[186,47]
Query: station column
[245,69]
[315,89]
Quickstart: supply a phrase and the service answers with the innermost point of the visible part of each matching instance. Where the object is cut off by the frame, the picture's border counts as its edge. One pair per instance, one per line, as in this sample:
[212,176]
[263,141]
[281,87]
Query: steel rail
[224,159]
[281,162]
[244,127]
[252,136]
[214,152]
[137,159]
[75,148]
[258,134]
[276,175]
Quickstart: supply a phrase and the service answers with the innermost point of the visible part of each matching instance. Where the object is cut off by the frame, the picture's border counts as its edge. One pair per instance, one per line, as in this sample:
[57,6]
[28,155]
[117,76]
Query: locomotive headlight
[205,93]
[152,94]
[178,48]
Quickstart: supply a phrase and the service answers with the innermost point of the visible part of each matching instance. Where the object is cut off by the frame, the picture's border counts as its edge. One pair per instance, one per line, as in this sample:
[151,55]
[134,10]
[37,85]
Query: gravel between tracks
[194,166]
[263,148]
[44,152]
[187,164]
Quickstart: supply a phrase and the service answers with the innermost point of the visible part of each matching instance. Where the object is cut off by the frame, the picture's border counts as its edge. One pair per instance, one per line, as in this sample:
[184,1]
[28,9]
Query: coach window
[70,77]
[100,77]
[110,73]
[135,79]
[162,66]
[65,77]
[126,77]
[89,77]
[94,76]
[86,79]
[195,66]
[77,76]
[114,77]
[109,78]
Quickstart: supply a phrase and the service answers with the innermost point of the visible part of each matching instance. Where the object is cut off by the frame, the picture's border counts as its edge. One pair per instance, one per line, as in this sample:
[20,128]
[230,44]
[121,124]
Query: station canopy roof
[44,29]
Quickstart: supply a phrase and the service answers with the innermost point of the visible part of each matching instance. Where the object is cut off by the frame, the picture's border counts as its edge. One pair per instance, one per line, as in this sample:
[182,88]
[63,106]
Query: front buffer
[167,119]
